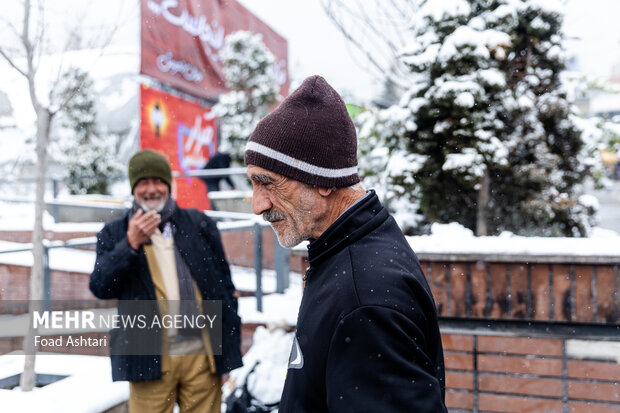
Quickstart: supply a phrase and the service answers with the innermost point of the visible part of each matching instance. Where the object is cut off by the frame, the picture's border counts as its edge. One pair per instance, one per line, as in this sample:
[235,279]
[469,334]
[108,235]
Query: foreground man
[367,337]
[161,252]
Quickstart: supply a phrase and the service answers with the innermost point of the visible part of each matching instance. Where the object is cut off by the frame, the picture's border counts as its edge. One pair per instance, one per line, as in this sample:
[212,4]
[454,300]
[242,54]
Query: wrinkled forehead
[258,174]
[261,176]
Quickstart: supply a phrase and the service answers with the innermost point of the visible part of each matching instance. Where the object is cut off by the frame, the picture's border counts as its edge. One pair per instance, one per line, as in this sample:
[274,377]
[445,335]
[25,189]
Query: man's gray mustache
[272,215]
[154,196]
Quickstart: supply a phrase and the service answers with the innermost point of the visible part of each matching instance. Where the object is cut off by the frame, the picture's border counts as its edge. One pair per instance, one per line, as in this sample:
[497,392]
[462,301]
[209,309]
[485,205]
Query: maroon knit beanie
[309,138]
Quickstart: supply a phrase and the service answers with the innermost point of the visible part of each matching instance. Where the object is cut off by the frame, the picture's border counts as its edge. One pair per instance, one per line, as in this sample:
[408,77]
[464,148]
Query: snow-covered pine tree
[88,157]
[493,134]
[249,70]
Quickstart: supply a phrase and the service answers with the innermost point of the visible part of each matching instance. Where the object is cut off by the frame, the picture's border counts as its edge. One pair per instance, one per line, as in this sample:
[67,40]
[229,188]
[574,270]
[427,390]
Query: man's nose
[150,186]
[260,202]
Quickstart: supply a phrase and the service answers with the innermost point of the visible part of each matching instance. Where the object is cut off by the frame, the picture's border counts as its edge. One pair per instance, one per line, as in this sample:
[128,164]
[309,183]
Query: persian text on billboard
[181,40]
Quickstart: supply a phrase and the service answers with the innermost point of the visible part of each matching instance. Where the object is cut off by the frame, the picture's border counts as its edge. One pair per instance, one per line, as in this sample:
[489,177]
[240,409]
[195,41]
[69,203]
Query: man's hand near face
[141,227]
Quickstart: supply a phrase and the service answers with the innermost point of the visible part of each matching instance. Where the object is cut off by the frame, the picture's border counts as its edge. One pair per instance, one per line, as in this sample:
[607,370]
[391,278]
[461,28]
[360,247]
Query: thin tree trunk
[27,380]
[32,41]
[483,202]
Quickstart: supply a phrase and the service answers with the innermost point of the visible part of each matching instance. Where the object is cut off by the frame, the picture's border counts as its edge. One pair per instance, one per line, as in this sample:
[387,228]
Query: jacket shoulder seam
[384,307]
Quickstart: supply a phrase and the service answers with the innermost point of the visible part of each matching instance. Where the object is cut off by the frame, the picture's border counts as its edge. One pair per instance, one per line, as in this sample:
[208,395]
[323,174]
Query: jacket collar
[357,221]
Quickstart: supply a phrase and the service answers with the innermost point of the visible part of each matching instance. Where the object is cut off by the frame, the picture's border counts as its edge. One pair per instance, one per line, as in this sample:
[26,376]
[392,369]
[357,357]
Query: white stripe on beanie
[298,164]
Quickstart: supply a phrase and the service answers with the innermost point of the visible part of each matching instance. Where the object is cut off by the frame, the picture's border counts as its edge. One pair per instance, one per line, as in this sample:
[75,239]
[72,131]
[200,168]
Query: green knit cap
[149,164]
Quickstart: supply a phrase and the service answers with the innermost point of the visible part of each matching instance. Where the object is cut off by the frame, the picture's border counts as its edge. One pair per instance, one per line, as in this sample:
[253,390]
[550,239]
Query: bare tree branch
[70,97]
[368,38]
[6,22]
[32,45]
[38,38]
[393,14]
[109,34]
[31,71]
[12,63]
[396,7]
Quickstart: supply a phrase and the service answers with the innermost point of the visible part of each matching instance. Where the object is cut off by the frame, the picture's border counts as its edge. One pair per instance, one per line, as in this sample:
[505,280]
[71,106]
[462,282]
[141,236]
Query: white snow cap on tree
[249,71]
[488,115]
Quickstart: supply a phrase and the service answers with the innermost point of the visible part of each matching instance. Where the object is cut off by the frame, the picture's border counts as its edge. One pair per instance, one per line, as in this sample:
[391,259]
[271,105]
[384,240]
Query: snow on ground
[278,309]
[271,350]
[89,387]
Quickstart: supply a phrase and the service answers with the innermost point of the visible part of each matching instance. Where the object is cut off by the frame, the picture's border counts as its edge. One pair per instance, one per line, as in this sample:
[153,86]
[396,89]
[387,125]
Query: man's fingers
[150,227]
[151,216]
[137,215]
[149,222]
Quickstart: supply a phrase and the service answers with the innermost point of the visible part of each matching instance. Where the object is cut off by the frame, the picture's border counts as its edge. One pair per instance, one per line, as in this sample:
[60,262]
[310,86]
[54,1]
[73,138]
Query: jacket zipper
[307,274]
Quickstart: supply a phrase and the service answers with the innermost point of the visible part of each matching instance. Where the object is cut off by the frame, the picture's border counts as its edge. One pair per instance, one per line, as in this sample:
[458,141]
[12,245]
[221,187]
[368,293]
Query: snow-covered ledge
[87,388]
[452,242]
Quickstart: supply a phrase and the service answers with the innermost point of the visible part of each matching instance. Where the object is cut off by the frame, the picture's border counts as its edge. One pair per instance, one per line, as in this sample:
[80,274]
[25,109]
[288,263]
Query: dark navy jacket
[123,274]
[367,337]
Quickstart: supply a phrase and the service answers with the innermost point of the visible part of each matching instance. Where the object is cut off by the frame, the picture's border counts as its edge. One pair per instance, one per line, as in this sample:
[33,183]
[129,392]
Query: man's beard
[289,235]
[158,207]
[293,225]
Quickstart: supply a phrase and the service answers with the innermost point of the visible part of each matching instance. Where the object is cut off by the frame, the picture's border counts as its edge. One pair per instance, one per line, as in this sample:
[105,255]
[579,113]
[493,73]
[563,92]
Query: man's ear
[325,192]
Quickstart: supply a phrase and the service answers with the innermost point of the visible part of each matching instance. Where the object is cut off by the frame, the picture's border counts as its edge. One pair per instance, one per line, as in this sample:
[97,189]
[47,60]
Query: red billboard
[184,132]
[181,40]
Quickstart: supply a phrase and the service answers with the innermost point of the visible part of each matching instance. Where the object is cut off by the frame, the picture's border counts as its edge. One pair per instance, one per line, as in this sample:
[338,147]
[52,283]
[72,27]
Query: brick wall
[487,373]
[15,284]
[239,247]
[566,292]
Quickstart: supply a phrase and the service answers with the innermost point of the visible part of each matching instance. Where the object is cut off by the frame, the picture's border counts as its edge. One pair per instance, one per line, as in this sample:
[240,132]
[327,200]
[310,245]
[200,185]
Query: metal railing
[55,185]
[242,222]
[281,255]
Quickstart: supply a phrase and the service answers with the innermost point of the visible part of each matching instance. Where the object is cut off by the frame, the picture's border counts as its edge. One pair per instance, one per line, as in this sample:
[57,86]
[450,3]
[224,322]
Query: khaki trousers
[186,380]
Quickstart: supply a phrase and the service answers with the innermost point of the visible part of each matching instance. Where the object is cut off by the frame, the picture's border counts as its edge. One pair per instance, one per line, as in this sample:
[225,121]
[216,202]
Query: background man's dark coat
[122,273]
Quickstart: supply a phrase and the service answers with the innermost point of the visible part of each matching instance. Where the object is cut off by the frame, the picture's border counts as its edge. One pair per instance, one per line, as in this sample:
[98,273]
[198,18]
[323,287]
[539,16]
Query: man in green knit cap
[159,252]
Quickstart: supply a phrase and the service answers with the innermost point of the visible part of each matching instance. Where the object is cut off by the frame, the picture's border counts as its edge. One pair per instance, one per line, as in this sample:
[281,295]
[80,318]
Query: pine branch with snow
[249,71]
[87,155]
[489,118]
